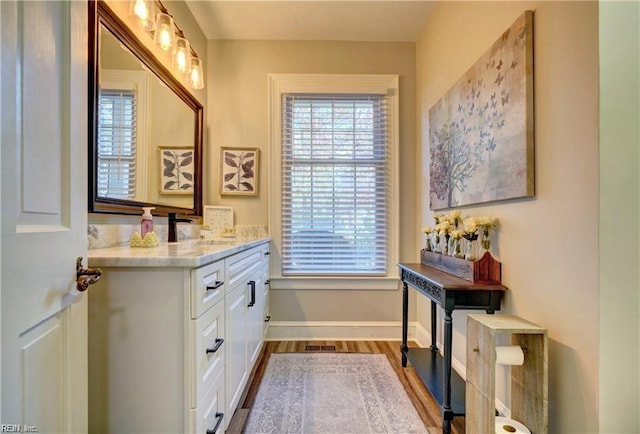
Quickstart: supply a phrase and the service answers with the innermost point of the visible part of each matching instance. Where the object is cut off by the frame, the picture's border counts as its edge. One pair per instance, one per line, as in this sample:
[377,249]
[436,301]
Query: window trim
[279,84]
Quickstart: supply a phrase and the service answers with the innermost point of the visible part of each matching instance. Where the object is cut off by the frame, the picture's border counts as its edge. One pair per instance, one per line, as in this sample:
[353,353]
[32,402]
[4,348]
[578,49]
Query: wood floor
[422,400]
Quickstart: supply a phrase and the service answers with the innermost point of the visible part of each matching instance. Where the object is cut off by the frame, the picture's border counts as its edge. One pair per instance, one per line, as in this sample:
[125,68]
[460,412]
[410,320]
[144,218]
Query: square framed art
[176,170]
[239,171]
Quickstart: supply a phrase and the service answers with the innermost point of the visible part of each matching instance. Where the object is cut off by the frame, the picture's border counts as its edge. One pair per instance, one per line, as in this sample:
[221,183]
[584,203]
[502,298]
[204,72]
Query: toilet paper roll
[505,425]
[509,355]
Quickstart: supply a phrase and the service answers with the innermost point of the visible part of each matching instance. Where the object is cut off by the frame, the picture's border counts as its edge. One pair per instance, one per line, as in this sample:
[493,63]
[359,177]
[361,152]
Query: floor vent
[320,348]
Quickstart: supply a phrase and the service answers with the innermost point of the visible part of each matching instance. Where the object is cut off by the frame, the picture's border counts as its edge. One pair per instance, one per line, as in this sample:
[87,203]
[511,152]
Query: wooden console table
[450,292]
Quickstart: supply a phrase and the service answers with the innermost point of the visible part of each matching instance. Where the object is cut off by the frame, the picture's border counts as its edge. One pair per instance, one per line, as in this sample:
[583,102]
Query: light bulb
[165,32]
[144,11]
[195,75]
[182,56]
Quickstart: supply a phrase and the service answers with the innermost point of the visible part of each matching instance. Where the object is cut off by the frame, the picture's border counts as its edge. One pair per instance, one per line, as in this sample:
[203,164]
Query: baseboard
[338,330]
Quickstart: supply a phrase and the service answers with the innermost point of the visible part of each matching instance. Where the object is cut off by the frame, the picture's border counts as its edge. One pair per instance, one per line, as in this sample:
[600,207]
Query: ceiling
[324,20]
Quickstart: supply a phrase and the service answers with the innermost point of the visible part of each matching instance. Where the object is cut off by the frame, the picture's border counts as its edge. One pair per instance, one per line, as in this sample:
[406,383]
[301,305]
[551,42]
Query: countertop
[188,253]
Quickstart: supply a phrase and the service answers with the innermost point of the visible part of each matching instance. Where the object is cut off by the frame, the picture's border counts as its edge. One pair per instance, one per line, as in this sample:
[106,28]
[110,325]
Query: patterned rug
[331,393]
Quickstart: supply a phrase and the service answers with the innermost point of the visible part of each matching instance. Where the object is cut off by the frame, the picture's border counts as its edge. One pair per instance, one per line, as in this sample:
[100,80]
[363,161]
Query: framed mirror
[145,127]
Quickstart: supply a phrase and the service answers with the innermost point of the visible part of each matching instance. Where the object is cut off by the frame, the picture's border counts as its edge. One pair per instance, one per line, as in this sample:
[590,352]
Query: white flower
[444,227]
[486,222]
[457,234]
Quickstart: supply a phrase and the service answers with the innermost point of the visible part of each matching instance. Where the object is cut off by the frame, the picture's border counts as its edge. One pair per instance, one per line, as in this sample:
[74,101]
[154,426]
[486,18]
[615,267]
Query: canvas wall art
[481,130]
[239,171]
[176,170]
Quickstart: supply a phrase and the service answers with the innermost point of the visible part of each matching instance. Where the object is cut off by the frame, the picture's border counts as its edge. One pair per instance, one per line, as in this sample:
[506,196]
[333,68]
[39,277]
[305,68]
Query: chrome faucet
[173,224]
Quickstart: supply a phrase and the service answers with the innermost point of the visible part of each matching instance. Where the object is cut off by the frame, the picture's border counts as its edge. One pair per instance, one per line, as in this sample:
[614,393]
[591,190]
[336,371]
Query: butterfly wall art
[481,130]
[239,171]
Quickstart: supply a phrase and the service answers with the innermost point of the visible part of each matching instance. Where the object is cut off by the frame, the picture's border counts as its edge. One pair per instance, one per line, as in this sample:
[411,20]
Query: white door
[43,164]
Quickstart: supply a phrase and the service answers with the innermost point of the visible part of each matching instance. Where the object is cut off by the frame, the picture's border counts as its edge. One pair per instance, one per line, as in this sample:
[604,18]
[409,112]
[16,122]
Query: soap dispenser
[146,225]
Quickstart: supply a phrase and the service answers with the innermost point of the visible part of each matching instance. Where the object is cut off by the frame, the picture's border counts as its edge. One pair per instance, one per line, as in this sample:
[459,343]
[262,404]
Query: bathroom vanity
[174,332]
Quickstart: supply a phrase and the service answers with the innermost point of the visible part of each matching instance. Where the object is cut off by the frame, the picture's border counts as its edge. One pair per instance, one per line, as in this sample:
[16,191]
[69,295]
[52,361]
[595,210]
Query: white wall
[548,244]
[619,382]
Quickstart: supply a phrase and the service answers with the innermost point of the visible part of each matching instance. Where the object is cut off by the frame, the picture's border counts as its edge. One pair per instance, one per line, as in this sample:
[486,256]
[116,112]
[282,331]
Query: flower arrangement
[447,235]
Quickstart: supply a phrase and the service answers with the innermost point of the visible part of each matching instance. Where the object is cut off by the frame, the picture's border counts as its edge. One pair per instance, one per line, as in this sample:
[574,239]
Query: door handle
[86,276]
[252,301]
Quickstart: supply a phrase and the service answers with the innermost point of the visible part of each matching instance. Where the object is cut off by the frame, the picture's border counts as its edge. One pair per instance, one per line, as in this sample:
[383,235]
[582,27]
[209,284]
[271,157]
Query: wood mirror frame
[101,15]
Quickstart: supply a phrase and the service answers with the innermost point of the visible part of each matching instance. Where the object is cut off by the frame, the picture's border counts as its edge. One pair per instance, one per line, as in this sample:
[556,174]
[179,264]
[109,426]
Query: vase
[486,240]
[444,248]
[456,248]
[434,240]
[471,248]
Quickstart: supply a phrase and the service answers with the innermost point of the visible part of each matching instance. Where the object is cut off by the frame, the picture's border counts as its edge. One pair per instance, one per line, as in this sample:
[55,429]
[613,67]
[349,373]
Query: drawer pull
[268,318]
[219,416]
[216,285]
[267,282]
[252,302]
[267,253]
[216,347]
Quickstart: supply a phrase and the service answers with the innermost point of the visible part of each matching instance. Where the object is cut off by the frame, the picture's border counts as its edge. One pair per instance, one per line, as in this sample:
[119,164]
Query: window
[334,196]
[117,143]
[122,148]
[333,181]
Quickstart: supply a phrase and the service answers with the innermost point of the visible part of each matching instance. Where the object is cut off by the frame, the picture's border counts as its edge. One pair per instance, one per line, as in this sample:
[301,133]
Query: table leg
[405,320]
[434,327]
[448,341]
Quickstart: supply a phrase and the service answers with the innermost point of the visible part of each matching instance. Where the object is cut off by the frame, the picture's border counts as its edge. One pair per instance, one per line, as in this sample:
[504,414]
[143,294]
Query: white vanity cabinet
[168,344]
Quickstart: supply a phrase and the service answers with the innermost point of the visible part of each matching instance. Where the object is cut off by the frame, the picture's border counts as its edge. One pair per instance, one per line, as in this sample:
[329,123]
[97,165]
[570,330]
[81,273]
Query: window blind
[117,143]
[334,184]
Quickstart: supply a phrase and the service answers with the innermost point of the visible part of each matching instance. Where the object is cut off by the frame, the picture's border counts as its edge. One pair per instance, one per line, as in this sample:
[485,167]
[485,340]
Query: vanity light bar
[160,24]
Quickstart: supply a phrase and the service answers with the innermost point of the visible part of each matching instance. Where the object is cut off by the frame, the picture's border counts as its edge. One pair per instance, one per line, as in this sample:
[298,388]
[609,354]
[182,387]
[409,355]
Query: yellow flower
[427,229]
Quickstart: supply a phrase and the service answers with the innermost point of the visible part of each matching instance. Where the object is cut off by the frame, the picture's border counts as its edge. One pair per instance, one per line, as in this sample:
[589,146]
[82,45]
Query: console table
[450,292]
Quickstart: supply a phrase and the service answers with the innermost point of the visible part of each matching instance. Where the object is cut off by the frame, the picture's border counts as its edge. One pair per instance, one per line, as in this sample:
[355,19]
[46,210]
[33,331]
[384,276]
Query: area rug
[331,393]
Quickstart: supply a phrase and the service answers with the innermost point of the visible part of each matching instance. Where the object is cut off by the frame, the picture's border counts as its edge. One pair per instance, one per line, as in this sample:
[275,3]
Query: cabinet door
[255,317]
[236,356]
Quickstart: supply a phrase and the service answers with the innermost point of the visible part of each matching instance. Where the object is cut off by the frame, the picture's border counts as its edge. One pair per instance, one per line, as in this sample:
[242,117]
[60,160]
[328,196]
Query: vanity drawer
[207,287]
[210,413]
[241,266]
[208,351]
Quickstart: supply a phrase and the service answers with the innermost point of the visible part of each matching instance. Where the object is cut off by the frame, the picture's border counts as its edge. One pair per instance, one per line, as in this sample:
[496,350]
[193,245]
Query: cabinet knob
[219,416]
[267,318]
[216,347]
[267,253]
[216,285]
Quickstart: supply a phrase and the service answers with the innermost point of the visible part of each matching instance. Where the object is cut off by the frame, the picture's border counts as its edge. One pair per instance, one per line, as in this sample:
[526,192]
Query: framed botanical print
[239,171]
[176,170]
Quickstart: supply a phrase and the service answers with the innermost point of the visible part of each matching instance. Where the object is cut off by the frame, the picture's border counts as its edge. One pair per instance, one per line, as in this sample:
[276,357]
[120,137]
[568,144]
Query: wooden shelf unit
[529,382]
